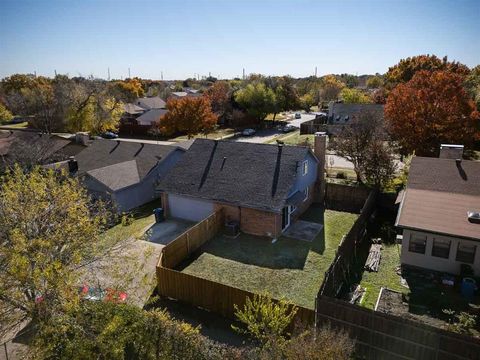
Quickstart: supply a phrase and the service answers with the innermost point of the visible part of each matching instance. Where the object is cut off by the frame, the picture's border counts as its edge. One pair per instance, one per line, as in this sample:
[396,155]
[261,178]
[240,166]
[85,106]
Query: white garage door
[188,208]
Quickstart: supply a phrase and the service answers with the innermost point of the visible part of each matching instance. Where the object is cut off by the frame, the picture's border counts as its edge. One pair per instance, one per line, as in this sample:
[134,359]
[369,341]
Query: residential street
[263,136]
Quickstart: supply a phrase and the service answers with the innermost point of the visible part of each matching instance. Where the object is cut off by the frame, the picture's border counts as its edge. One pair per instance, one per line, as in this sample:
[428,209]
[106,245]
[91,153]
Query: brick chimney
[450,151]
[320,150]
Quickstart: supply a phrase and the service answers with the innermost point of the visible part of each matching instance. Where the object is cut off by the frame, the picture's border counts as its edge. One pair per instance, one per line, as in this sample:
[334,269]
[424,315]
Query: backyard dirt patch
[393,302]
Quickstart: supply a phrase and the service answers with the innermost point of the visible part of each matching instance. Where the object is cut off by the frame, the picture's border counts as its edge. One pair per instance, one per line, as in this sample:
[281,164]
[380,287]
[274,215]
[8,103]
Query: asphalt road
[263,136]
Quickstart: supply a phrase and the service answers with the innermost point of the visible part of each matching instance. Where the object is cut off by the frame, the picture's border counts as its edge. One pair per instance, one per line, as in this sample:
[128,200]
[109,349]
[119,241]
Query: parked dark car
[288,128]
[109,135]
[298,116]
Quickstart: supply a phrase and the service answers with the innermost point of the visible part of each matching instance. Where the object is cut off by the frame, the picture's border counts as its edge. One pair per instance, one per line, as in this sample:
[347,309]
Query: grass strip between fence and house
[288,269]
[385,277]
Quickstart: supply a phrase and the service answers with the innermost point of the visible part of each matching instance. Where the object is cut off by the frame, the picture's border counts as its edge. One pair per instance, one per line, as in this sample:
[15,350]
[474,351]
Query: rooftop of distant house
[118,164]
[340,113]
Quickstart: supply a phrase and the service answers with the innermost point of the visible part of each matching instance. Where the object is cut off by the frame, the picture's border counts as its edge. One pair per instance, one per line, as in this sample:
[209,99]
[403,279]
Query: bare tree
[362,142]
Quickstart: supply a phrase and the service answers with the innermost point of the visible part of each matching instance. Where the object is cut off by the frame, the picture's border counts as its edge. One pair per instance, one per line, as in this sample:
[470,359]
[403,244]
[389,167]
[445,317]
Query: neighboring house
[186,93]
[139,116]
[438,233]
[263,188]
[33,148]
[153,102]
[151,117]
[341,114]
[124,172]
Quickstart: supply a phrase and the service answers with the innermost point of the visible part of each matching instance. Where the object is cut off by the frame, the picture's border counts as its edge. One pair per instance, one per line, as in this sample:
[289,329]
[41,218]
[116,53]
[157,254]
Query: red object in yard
[115,296]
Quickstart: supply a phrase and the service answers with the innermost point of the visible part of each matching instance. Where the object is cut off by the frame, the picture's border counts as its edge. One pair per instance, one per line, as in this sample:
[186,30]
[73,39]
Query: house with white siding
[439,213]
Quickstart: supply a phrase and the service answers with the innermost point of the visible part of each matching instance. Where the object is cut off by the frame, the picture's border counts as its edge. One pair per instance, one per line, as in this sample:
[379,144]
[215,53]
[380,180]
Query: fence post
[6,352]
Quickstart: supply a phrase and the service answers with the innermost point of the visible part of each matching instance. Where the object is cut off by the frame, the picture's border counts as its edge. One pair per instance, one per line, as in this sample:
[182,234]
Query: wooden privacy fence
[345,197]
[312,126]
[384,336]
[192,239]
[210,295]
[193,290]
[339,270]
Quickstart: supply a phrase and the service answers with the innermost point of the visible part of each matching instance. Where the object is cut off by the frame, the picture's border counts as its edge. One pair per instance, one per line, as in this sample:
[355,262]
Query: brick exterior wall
[253,221]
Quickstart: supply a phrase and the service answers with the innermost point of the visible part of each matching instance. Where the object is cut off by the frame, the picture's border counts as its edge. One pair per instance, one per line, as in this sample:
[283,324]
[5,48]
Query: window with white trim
[306,194]
[305,168]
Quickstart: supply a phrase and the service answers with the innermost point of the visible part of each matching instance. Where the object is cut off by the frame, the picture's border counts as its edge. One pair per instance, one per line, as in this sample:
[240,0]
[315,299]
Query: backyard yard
[291,269]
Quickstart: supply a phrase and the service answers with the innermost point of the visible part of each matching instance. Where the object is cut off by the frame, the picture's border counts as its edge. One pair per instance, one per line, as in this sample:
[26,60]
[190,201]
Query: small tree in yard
[264,318]
[48,229]
[379,166]
[266,321]
[189,116]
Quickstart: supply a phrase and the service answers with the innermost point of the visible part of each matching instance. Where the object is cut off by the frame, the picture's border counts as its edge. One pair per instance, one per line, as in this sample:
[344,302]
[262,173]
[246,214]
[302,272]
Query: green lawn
[294,138]
[142,217]
[386,275]
[290,269]
[21,125]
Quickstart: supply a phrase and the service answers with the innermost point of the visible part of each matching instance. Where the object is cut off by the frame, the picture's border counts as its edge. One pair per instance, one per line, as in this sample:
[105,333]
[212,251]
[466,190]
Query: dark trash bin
[159,215]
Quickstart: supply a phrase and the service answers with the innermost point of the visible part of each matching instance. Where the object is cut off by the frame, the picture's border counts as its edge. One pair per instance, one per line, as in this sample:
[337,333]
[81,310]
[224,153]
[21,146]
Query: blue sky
[186,37]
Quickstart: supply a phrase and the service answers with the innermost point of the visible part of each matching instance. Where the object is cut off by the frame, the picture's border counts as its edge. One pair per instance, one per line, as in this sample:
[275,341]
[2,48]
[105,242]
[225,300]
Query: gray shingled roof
[153,102]
[127,169]
[252,175]
[151,116]
[340,113]
[439,194]
[119,163]
[133,109]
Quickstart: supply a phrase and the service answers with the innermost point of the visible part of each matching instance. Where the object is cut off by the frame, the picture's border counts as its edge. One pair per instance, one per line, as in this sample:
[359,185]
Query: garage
[183,207]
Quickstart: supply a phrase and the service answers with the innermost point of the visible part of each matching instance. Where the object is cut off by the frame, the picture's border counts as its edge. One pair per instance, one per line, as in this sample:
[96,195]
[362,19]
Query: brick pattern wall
[263,223]
[252,221]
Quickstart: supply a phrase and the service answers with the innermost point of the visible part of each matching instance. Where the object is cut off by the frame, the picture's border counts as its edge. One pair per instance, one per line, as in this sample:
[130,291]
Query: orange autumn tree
[219,95]
[188,115]
[430,109]
[407,68]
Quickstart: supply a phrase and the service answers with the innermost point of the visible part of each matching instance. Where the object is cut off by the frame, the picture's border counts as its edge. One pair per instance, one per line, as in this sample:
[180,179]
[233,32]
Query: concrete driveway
[164,232]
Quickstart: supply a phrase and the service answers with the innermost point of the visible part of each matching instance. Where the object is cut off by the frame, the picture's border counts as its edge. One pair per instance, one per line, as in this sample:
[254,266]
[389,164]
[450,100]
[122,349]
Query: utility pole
[243,73]
[108,74]
[209,74]
[315,71]
[129,73]
[161,75]
[55,71]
